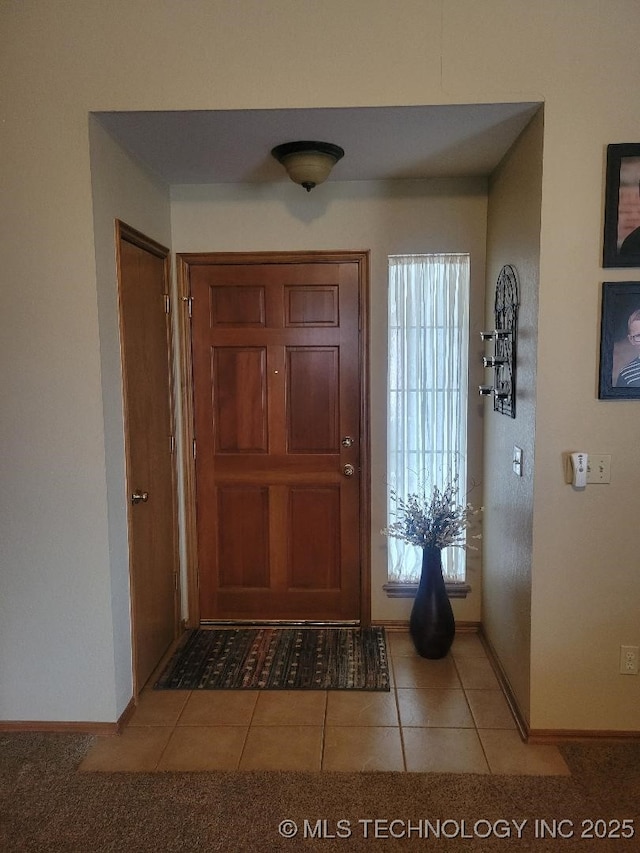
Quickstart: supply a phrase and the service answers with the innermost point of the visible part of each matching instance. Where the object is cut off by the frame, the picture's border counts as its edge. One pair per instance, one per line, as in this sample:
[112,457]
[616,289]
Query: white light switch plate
[599,468]
[517,460]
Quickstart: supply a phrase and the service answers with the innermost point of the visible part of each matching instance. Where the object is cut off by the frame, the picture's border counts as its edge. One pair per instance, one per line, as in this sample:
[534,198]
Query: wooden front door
[143,277]
[277,410]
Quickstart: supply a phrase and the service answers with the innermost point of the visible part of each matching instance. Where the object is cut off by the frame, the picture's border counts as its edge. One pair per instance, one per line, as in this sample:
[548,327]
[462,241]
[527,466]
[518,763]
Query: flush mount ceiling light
[308,163]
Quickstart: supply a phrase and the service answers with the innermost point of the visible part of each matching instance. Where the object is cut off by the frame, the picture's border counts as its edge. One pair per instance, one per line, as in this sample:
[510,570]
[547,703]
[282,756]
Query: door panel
[237,306]
[239,394]
[314,550]
[276,378]
[312,418]
[306,306]
[146,358]
[242,516]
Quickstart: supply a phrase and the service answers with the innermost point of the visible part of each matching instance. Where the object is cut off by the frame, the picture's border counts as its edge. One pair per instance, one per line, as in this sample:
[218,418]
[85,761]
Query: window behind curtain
[427,387]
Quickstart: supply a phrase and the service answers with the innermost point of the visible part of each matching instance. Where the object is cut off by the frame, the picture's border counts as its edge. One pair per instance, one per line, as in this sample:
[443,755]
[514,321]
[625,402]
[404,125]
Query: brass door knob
[348,470]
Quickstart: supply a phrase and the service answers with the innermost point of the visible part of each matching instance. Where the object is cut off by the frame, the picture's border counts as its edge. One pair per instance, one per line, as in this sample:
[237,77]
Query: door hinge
[193,449]
[172,444]
[167,304]
[175,581]
[189,301]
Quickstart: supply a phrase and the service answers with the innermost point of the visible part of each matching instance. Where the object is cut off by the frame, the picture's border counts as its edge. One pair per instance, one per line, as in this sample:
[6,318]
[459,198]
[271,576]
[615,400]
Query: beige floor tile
[434,707]
[204,748]
[159,707]
[476,674]
[420,672]
[219,708]
[361,708]
[506,753]
[490,709]
[137,749]
[400,644]
[362,748]
[282,748]
[290,707]
[444,751]
[468,646]
[448,715]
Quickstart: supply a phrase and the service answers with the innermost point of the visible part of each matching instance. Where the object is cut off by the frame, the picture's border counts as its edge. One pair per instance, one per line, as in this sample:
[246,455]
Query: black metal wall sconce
[503,337]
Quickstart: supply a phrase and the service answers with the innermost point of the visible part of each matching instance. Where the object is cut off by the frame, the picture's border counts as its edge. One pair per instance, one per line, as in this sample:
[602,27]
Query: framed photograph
[622,206]
[620,341]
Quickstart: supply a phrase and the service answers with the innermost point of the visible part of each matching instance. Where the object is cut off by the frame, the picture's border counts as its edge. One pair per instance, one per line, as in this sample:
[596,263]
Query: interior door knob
[348,470]
[139,497]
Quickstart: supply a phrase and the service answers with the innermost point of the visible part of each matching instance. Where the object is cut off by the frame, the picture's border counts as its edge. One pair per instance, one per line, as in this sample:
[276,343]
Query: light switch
[517,460]
[599,468]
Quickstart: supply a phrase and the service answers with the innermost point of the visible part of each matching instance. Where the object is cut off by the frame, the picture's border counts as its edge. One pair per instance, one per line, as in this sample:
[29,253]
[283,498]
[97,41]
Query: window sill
[408,590]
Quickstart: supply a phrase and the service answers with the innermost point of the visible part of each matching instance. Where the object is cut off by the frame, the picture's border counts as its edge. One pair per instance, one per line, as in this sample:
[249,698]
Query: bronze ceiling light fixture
[308,163]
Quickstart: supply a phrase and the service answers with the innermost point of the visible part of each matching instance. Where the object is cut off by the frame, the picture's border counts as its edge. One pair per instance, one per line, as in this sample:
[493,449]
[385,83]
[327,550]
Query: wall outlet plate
[629,660]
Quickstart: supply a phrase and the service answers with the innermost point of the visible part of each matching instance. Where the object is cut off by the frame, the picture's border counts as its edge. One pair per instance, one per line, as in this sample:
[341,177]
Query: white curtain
[427,386]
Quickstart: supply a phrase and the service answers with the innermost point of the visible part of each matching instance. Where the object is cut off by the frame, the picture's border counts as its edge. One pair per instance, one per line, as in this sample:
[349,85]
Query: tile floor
[440,716]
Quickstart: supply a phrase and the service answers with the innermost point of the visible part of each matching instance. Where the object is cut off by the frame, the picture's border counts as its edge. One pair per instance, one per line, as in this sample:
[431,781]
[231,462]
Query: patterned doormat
[279,659]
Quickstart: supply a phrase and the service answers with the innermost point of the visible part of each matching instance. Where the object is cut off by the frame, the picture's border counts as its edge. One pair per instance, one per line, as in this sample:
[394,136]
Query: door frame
[124,232]
[184,262]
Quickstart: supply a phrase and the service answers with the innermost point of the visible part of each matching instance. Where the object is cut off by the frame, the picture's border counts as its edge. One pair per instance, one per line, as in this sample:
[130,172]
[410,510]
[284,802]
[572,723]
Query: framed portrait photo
[620,341]
[621,246]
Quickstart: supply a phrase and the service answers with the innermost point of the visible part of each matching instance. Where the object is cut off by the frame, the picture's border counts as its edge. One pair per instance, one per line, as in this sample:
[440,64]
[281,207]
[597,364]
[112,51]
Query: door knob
[348,470]
[139,497]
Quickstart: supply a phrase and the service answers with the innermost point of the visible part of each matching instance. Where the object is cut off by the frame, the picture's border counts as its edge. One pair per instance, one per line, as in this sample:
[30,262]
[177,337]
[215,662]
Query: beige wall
[513,237]
[61,60]
[385,218]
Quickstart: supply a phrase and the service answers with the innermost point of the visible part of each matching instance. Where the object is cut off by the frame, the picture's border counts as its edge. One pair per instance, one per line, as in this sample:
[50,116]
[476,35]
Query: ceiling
[381,143]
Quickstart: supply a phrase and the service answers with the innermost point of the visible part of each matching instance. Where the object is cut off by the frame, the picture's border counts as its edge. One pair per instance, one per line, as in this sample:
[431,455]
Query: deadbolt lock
[347,441]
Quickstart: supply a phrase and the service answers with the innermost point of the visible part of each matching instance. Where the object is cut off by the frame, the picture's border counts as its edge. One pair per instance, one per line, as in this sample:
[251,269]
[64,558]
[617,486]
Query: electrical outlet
[629,660]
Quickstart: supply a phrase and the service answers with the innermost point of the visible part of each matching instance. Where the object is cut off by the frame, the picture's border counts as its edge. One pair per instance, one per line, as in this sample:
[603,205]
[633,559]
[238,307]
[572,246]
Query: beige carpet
[45,805]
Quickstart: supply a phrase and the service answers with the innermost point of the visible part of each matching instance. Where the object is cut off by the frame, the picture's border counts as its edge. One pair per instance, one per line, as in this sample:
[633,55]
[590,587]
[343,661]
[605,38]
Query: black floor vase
[432,625]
